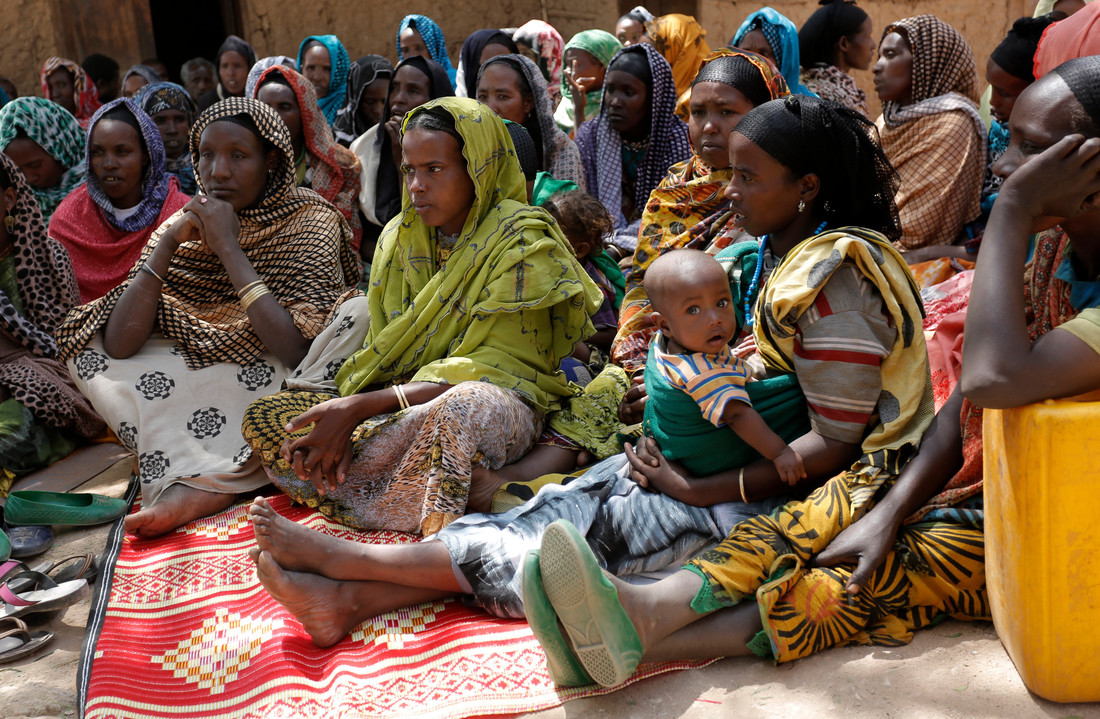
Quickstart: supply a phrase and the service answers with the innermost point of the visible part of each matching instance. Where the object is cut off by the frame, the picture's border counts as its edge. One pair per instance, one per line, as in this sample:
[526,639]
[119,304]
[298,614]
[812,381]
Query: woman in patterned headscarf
[769,33]
[682,41]
[368,85]
[833,41]
[221,305]
[419,35]
[137,77]
[585,58]
[47,144]
[478,47]
[106,222]
[173,112]
[323,60]
[543,45]
[66,83]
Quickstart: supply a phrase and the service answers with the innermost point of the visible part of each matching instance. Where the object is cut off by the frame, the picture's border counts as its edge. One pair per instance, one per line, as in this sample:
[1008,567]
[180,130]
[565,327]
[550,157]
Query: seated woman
[330,170]
[474,303]
[512,86]
[688,209]
[628,148]
[42,414]
[543,45]
[173,112]
[137,77]
[586,57]
[419,36]
[769,33]
[682,41]
[931,132]
[480,46]
[219,308]
[106,222]
[323,61]
[235,58]
[66,83]
[631,27]
[368,85]
[47,144]
[835,40]
[263,65]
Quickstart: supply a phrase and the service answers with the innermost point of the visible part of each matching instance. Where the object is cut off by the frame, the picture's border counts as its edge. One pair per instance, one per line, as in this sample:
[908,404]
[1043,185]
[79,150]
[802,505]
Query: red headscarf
[84,92]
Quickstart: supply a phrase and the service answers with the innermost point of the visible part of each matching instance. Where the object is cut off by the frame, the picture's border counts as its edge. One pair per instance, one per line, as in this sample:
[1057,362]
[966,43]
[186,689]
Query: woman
[835,40]
[931,130]
[543,45]
[512,86]
[368,85]
[688,209]
[682,41]
[138,77]
[47,144]
[769,33]
[235,58]
[323,61]
[173,112]
[586,57]
[628,148]
[199,76]
[66,83]
[221,305]
[320,164]
[261,66]
[106,222]
[42,414]
[418,35]
[474,303]
[631,27]
[479,47]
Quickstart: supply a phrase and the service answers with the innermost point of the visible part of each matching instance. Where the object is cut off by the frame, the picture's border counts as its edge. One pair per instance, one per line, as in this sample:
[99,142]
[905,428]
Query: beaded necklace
[756,275]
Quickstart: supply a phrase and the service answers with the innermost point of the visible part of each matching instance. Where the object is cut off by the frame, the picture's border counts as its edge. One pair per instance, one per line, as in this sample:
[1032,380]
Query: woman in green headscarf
[474,300]
[586,56]
[47,143]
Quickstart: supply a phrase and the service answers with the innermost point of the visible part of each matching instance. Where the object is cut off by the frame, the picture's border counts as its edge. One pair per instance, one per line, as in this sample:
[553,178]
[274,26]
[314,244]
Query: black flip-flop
[17,641]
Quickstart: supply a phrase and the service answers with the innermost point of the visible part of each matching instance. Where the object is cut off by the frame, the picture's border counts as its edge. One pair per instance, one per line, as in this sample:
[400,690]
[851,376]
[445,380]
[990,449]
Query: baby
[696,386]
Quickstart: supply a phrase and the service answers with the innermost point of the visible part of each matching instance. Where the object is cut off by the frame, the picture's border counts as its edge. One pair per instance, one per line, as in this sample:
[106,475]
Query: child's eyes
[723,302]
[693,310]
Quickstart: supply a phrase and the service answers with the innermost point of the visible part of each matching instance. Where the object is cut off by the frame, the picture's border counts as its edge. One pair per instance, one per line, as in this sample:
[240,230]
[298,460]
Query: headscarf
[362,73]
[84,91]
[57,132]
[943,63]
[151,76]
[1016,53]
[1076,36]
[161,96]
[640,14]
[469,58]
[682,41]
[545,42]
[558,154]
[820,33]
[601,45]
[433,40]
[334,169]
[508,304]
[293,238]
[1082,76]
[336,97]
[230,44]
[782,35]
[688,209]
[263,64]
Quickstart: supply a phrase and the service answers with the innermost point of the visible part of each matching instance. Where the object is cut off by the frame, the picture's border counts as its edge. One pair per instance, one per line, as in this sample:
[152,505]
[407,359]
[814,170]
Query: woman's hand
[864,543]
[187,228]
[650,470]
[324,455]
[220,226]
[632,408]
[1059,181]
[393,129]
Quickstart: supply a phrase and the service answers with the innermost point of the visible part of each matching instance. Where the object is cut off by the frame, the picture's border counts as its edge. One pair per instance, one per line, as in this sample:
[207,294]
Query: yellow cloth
[682,41]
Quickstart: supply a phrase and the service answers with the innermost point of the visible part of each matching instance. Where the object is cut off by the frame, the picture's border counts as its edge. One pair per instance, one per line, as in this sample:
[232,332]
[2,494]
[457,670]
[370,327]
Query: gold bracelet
[741,484]
[149,270]
[244,290]
[402,400]
[252,296]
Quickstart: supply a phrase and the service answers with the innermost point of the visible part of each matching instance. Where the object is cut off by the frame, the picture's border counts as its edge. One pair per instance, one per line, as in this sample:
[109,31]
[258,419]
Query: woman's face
[437,179]
[282,100]
[626,99]
[133,84]
[118,160]
[756,41]
[317,67]
[174,130]
[1005,89]
[714,110]
[894,70]
[200,82]
[499,88]
[629,31]
[60,84]
[586,66]
[856,52]
[412,44]
[492,50]
[372,102]
[761,191]
[40,168]
[411,88]
[233,165]
[233,71]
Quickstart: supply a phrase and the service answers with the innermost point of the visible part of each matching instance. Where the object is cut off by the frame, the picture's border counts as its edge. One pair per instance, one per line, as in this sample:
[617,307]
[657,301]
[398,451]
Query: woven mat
[181,627]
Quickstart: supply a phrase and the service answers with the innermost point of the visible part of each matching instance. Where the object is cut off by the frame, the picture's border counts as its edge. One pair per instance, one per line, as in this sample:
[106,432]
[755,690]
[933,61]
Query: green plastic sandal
[565,668]
[49,508]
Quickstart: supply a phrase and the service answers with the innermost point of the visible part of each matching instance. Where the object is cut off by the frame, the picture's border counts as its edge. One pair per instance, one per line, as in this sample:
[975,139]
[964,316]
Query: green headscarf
[510,302]
[57,132]
[602,45]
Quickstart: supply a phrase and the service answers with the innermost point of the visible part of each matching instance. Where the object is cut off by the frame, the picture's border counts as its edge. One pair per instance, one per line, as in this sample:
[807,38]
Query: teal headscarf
[57,132]
[782,35]
[336,97]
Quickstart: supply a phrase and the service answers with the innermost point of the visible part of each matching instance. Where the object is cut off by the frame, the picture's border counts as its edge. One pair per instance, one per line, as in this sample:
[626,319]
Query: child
[693,379]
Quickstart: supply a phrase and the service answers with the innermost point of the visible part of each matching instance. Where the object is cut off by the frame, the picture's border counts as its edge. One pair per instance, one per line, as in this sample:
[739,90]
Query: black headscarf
[1016,53]
[239,46]
[818,37]
[469,59]
[362,72]
[1083,77]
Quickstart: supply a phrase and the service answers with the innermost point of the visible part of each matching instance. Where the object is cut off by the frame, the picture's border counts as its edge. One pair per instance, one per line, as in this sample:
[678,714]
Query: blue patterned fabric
[782,35]
[334,100]
[433,40]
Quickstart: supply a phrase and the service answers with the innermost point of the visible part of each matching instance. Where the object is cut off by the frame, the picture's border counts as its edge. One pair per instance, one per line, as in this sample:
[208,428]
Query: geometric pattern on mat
[188,631]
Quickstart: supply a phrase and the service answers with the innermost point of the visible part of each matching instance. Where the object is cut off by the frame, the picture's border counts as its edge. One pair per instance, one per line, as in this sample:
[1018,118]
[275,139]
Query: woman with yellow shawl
[475,299]
[682,41]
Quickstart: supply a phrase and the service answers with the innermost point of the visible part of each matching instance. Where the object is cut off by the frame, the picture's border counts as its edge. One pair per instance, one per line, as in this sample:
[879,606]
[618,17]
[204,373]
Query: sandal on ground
[16,641]
[46,595]
[603,636]
[565,669]
[78,566]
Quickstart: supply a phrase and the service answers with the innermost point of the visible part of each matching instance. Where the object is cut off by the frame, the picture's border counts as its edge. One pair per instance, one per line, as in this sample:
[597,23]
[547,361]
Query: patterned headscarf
[546,42]
[161,96]
[85,95]
[151,76]
[155,184]
[682,41]
[469,58]
[433,40]
[782,35]
[943,63]
[540,121]
[363,72]
[337,94]
[261,65]
[57,132]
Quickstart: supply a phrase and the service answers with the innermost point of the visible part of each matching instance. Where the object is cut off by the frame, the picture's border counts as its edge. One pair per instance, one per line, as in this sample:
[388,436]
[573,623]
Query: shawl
[295,240]
[1076,36]
[782,35]
[601,147]
[57,132]
[687,210]
[548,46]
[559,154]
[601,45]
[230,44]
[84,90]
[334,169]
[469,58]
[508,304]
[161,96]
[829,82]
[682,41]
[336,97]
[258,69]
[362,73]
[433,40]
[151,76]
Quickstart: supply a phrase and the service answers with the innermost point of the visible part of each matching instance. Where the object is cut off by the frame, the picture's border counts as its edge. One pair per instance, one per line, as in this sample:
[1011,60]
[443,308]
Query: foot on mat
[16,641]
[565,669]
[587,604]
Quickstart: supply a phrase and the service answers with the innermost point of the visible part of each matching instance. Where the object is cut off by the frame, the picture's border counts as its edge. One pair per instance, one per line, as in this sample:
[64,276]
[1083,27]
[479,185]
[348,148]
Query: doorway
[194,29]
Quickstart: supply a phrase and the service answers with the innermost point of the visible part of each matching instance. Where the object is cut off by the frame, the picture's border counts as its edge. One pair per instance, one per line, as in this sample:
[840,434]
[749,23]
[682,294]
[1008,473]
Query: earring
[9,221]
[801,206]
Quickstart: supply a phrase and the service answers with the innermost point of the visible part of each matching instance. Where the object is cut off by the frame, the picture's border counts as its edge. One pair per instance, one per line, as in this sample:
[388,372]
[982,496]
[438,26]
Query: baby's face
[700,314]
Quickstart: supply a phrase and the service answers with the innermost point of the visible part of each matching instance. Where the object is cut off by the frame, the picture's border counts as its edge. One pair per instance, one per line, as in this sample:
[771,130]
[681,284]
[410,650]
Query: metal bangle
[741,485]
[147,269]
[402,400]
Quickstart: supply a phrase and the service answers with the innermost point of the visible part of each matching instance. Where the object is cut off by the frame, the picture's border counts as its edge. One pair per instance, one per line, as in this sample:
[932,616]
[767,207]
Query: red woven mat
[188,631]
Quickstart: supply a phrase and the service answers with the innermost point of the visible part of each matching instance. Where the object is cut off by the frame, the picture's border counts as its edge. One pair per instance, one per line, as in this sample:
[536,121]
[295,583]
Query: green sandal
[565,669]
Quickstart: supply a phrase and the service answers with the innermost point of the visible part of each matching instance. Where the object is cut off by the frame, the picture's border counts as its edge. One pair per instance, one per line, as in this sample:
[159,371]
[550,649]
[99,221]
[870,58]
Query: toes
[254,554]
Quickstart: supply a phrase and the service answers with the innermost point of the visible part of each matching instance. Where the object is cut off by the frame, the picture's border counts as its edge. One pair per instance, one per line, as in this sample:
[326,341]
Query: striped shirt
[712,380]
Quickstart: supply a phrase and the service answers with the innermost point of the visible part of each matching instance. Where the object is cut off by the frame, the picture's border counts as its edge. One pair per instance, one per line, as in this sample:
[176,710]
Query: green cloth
[614,274]
[25,443]
[601,45]
[8,284]
[591,419]
[546,186]
[510,302]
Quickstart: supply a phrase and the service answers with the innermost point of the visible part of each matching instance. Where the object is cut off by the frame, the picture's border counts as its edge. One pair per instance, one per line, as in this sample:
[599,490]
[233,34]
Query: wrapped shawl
[84,91]
[260,67]
[161,96]
[362,73]
[601,45]
[433,40]
[57,132]
[469,58]
[508,304]
[336,97]
[295,239]
[548,46]
[782,35]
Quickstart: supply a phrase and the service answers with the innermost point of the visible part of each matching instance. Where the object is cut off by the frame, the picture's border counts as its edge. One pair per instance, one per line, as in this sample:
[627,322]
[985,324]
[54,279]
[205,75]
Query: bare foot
[176,506]
[485,482]
[314,601]
[300,549]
